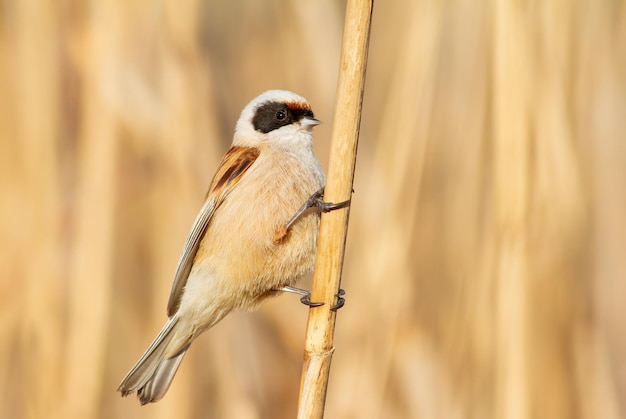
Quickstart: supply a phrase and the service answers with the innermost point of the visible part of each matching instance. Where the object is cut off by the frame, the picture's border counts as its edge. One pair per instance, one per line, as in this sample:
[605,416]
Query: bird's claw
[331,206]
[306,300]
[306,297]
[316,200]
[340,300]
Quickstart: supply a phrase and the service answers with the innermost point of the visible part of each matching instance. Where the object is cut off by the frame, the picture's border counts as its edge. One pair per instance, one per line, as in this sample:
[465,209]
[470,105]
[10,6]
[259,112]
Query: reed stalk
[334,225]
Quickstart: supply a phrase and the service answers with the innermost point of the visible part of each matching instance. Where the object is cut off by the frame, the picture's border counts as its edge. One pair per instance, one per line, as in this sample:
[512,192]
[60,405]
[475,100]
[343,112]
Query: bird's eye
[280,115]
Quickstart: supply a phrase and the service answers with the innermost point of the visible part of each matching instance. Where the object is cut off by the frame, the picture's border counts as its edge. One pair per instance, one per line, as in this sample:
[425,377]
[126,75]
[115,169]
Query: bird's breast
[240,246]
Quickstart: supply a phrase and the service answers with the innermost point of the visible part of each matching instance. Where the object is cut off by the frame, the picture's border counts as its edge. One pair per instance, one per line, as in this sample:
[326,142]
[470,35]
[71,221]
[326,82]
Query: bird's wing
[235,163]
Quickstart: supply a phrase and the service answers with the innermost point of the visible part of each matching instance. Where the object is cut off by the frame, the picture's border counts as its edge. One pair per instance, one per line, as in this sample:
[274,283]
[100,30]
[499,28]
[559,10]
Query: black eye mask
[274,115]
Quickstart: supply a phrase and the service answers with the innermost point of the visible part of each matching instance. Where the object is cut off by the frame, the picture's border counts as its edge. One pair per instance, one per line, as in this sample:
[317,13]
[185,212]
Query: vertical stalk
[333,228]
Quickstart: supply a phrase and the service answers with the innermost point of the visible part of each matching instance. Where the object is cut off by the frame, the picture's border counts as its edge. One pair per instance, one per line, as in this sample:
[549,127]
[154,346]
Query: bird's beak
[308,122]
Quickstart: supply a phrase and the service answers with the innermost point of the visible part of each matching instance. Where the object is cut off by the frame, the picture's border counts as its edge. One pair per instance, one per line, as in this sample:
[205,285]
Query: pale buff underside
[238,263]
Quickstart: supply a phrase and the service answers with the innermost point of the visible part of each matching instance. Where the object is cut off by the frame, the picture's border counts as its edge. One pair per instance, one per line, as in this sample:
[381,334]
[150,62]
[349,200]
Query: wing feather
[235,163]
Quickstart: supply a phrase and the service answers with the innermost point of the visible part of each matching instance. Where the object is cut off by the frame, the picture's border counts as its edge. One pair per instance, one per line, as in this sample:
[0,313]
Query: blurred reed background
[485,272]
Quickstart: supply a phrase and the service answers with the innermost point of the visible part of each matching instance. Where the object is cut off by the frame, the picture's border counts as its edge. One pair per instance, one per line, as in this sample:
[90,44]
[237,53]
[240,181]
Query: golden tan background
[486,265]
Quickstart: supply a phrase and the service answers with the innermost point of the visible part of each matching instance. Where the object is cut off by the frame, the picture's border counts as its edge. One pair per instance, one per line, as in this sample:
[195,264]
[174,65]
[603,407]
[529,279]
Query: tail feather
[153,373]
[157,386]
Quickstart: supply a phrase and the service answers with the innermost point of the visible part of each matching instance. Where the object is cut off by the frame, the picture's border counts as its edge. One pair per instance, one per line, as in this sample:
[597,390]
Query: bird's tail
[153,373]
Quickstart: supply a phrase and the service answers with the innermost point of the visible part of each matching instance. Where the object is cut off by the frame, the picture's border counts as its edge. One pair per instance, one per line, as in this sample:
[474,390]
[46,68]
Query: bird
[253,238]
